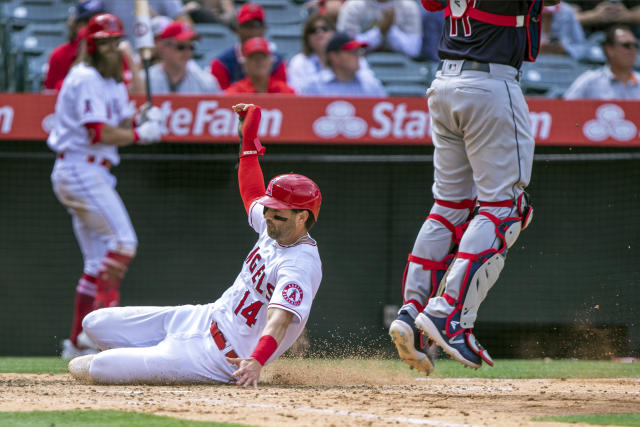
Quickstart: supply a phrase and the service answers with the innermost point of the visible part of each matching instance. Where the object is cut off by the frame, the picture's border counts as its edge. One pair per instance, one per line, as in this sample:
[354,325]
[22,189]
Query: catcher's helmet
[292,191]
[102,26]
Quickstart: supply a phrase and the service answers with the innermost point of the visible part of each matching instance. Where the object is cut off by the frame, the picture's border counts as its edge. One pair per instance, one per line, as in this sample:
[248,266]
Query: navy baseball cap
[342,41]
[87,8]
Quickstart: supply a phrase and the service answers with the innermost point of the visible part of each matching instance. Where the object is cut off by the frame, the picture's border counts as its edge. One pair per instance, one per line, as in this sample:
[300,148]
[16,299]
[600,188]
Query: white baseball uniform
[175,344]
[81,177]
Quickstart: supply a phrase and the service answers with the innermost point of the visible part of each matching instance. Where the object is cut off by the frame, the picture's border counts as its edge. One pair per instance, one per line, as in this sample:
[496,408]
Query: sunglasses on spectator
[254,23]
[320,29]
[182,46]
[629,45]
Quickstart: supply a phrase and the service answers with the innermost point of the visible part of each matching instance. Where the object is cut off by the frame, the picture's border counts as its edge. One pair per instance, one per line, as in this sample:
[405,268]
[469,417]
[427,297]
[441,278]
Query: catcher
[254,321]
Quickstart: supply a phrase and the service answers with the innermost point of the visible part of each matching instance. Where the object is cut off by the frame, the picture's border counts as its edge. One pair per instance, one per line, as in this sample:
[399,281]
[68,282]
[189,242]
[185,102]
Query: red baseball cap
[178,30]
[255,44]
[250,11]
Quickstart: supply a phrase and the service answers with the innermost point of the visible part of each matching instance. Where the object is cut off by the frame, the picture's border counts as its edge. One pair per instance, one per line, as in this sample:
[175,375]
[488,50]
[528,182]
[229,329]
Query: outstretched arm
[248,371]
[250,178]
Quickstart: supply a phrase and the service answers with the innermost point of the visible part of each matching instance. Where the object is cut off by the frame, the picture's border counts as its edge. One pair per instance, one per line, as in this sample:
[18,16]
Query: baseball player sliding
[92,119]
[482,160]
[254,321]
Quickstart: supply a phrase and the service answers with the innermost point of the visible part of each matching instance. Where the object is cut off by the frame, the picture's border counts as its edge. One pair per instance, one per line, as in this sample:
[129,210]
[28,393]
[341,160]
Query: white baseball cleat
[411,345]
[84,342]
[70,351]
[79,367]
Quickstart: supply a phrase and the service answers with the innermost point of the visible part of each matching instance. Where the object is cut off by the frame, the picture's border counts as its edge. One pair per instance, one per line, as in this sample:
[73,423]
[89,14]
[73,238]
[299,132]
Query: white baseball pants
[100,220]
[156,345]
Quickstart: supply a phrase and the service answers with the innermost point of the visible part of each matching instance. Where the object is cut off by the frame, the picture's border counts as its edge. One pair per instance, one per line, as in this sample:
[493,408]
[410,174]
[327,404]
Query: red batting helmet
[292,191]
[102,26]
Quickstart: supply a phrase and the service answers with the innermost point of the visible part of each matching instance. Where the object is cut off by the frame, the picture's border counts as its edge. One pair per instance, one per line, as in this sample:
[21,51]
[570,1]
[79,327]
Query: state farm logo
[340,120]
[609,123]
[209,118]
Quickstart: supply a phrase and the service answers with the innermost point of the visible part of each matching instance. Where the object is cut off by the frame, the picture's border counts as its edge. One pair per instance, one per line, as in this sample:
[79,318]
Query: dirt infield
[324,396]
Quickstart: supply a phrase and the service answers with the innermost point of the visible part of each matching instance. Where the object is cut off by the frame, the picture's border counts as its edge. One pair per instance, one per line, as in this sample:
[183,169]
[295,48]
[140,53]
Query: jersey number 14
[250,312]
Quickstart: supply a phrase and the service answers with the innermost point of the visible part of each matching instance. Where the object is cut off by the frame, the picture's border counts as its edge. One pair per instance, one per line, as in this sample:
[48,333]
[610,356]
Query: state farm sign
[288,119]
[212,120]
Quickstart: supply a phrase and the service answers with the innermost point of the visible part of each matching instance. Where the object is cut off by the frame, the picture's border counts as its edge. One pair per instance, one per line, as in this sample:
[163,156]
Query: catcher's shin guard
[112,271]
[437,270]
[482,271]
[485,267]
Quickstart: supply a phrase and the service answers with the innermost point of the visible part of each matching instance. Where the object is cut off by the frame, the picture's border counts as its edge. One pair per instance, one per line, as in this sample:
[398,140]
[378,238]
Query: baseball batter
[482,160]
[254,321]
[93,117]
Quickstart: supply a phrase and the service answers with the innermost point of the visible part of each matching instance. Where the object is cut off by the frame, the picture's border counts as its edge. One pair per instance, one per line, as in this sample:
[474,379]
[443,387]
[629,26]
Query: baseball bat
[144,41]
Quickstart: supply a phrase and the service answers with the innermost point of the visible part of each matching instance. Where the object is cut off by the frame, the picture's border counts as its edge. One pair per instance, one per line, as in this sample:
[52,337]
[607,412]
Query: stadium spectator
[383,24]
[303,66]
[250,23]
[342,77]
[617,79]
[598,15]
[176,72]
[126,11]
[561,32]
[432,23]
[211,11]
[258,60]
[63,56]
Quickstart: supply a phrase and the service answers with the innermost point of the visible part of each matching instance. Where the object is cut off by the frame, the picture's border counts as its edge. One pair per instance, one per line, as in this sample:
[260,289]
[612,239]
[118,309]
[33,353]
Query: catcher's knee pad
[485,267]
[437,269]
[112,270]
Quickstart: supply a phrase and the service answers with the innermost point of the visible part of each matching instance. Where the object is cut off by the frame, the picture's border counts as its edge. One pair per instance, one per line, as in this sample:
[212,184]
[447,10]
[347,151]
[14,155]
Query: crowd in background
[335,40]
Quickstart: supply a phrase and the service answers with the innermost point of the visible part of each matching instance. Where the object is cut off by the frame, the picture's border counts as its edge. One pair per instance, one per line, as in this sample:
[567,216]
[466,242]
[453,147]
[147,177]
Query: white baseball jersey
[86,97]
[272,275]
[160,344]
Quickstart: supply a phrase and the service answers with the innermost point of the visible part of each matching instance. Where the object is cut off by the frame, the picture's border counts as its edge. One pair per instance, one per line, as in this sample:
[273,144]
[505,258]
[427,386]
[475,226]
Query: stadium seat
[34,73]
[280,12]
[406,89]
[35,40]
[392,67]
[287,38]
[550,76]
[23,12]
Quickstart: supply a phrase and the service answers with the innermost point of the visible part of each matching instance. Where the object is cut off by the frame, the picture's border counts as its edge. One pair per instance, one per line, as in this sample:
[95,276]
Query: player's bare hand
[248,371]
[386,20]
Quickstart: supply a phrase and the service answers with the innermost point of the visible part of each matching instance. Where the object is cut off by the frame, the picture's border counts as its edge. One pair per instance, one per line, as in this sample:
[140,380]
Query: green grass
[96,418]
[445,368]
[632,420]
[33,365]
[522,369]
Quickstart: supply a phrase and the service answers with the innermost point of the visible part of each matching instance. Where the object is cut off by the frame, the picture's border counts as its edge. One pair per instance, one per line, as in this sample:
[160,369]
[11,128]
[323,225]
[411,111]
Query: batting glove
[148,132]
[148,112]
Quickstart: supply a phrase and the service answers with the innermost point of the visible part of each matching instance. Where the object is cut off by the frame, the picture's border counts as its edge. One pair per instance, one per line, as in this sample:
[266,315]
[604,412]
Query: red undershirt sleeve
[95,131]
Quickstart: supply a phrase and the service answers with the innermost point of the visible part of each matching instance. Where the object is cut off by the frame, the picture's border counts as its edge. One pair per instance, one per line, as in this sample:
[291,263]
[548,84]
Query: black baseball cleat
[457,342]
[412,345]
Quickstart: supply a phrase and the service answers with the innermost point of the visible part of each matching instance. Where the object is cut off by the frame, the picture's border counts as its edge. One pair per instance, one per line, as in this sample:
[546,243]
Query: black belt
[220,340]
[471,66]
